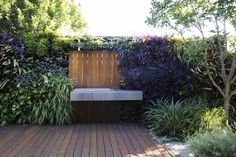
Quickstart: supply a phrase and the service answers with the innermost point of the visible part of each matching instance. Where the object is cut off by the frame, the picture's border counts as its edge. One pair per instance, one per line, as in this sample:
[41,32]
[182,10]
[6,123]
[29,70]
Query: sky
[122,18]
[118,17]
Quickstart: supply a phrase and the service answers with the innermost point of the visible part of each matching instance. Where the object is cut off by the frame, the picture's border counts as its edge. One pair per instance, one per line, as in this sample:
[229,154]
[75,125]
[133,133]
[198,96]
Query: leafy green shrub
[16,105]
[218,143]
[35,44]
[213,119]
[182,118]
[168,118]
[43,100]
[48,44]
[192,51]
[196,106]
[63,45]
[52,102]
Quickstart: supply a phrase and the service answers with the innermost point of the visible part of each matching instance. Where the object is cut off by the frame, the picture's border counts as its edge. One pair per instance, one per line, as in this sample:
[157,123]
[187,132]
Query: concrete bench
[105,94]
[101,104]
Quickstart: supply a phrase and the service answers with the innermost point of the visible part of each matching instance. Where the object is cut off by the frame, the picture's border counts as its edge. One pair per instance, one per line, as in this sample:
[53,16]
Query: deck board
[6,149]
[36,145]
[86,144]
[114,144]
[138,149]
[127,142]
[85,140]
[72,143]
[100,142]
[120,141]
[107,141]
[58,141]
[29,144]
[79,141]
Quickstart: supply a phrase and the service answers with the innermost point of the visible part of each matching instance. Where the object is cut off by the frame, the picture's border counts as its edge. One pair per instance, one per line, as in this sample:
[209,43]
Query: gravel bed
[175,147]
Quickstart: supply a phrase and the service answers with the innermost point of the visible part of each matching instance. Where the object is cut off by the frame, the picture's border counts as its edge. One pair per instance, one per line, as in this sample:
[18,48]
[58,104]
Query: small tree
[40,16]
[185,15]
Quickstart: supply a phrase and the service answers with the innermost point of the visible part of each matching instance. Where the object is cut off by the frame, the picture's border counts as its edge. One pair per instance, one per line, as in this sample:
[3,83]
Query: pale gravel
[176,148]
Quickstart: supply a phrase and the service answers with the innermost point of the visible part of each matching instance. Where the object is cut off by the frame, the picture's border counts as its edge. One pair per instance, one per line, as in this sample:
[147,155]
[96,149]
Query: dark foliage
[11,53]
[37,67]
[10,40]
[153,67]
[132,111]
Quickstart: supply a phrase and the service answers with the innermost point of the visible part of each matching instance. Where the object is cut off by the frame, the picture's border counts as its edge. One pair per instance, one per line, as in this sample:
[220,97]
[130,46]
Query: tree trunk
[226,106]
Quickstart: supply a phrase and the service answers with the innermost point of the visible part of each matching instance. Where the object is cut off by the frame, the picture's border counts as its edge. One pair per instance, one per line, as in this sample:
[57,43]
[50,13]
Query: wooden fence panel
[94,69]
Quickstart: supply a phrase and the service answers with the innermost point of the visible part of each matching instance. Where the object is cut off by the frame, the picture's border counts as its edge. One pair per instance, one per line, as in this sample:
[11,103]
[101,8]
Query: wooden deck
[80,140]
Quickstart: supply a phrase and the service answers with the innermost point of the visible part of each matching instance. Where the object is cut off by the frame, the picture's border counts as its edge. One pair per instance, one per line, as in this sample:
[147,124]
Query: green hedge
[45,44]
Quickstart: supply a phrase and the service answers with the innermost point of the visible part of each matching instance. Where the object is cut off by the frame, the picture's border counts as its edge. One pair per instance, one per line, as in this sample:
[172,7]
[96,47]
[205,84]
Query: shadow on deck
[80,140]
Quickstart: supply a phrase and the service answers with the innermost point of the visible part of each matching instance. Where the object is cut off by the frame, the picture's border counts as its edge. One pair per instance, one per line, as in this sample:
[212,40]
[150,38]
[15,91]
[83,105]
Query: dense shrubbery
[182,118]
[28,94]
[39,94]
[220,143]
[43,100]
[192,52]
[153,67]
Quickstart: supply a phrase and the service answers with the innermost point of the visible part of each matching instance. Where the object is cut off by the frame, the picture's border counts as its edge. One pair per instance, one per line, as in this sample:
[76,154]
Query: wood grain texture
[94,69]
[80,140]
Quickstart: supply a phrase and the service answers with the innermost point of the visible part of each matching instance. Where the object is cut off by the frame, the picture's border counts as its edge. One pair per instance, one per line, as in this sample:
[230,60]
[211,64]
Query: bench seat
[105,94]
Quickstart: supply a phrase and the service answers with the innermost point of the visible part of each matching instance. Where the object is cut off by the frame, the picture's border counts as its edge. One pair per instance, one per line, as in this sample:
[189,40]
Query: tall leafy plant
[168,118]
[52,103]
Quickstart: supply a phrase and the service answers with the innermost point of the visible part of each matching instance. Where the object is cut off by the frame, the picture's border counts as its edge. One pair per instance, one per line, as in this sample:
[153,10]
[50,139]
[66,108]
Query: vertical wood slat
[94,69]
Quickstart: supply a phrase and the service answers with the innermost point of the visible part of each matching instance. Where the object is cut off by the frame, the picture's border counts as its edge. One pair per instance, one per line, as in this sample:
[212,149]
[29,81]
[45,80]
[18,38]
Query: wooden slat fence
[94,69]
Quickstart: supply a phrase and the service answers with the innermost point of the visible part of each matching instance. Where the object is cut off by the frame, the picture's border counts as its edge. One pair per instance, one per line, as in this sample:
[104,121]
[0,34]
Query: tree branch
[233,67]
[232,93]
[222,53]
[225,36]
[212,80]
[198,24]
[233,80]
[177,30]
